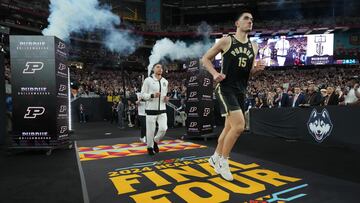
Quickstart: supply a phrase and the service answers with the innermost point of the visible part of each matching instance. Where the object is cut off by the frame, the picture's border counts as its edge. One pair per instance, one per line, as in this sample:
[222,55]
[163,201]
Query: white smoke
[76,16]
[165,48]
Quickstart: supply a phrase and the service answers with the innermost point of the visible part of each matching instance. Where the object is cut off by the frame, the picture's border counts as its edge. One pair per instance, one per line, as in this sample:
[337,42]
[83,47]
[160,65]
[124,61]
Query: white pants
[281,60]
[151,126]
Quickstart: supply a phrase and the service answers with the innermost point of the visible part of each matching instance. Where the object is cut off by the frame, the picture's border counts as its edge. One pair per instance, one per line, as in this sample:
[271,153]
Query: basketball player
[282,46]
[154,92]
[238,59]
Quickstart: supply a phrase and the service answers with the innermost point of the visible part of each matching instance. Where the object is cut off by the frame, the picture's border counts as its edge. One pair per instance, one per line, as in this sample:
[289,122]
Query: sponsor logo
[31,67]
[320,125]
[34,111]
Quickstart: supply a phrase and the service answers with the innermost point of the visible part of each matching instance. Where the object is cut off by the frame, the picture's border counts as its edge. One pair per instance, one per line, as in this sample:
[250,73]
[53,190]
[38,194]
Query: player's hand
[156,94]
[166,99]
[218,77]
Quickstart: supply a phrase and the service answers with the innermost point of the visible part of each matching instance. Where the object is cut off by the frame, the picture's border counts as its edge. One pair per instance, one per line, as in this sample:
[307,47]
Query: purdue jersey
[237,62]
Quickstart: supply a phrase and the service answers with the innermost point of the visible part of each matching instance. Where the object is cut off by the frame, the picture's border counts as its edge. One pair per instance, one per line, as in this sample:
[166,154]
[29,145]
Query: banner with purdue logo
[40,91]
[199,106]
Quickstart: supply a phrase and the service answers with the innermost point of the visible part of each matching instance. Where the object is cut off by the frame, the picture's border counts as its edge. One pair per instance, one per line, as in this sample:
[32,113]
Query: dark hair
[152,68]
[158,63]
[239,14]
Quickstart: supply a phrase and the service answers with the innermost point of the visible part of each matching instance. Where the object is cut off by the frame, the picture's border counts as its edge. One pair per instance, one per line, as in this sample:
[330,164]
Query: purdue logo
[62,88]
[192,109]
[63,108]
[206,111]
[206,82]
[193,94]
[33,112]
[61,45]
[192,78]
[62,66]
[193,124]
[31,67]
[192,63]
[63,129]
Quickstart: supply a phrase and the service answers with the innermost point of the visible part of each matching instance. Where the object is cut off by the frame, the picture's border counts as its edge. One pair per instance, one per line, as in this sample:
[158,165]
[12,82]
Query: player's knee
[238,129]
[163,128]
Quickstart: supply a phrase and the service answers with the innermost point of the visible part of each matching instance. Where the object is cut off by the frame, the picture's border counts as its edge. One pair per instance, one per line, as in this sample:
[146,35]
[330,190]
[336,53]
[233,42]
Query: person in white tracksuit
[154,91]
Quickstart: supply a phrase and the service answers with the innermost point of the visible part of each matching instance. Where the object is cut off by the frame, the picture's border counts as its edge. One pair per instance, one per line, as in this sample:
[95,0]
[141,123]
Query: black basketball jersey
[236,65]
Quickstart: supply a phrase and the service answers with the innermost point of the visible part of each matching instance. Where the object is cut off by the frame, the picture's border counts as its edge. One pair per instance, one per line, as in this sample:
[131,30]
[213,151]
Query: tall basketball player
[238,64]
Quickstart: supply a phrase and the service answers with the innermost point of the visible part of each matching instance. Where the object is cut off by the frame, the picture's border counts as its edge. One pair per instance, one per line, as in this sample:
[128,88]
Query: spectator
[299,98]
[332,98]
[82,113]
[282,99]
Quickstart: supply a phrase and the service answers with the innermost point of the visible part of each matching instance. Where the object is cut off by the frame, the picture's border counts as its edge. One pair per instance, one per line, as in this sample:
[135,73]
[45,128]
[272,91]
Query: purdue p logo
[193,124]
[192,94]
[192,78]
[192,109]
[62,88]
[33,112]
[63,129]
[63,108]
[206,82]
[206,111]
[31,67]
[61,45]
[62,66]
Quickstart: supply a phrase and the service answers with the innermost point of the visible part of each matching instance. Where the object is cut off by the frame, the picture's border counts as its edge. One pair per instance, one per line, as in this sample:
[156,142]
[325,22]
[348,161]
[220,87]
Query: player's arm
[210,55]
[166,98]
[259,66]
[145,94]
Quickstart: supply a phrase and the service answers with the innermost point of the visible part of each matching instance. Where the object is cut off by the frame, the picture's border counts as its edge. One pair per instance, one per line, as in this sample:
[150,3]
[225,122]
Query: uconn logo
[320,125]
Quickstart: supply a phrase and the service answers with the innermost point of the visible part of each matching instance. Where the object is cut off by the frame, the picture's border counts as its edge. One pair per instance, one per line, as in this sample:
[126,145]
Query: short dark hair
[239,14]
[158,63]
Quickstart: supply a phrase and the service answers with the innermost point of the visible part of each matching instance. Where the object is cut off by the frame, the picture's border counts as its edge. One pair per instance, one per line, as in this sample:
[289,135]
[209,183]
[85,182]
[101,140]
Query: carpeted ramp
[119,170]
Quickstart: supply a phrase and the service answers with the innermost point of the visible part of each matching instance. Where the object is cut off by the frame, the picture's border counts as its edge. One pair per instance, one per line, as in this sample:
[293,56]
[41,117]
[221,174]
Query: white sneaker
[143,140]
[213,160]
[224,169]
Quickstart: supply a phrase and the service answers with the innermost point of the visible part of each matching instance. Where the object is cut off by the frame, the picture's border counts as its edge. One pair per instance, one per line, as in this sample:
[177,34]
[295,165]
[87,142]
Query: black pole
[3,110]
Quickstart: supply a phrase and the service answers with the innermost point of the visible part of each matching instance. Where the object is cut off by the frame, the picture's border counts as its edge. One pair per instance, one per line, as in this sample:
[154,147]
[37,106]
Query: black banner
[199,105]
[334,125]
[2,101]
[40,91]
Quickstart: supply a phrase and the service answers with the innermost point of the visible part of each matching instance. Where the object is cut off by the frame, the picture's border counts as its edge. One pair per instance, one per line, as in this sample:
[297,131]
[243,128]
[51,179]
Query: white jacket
[151,85]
